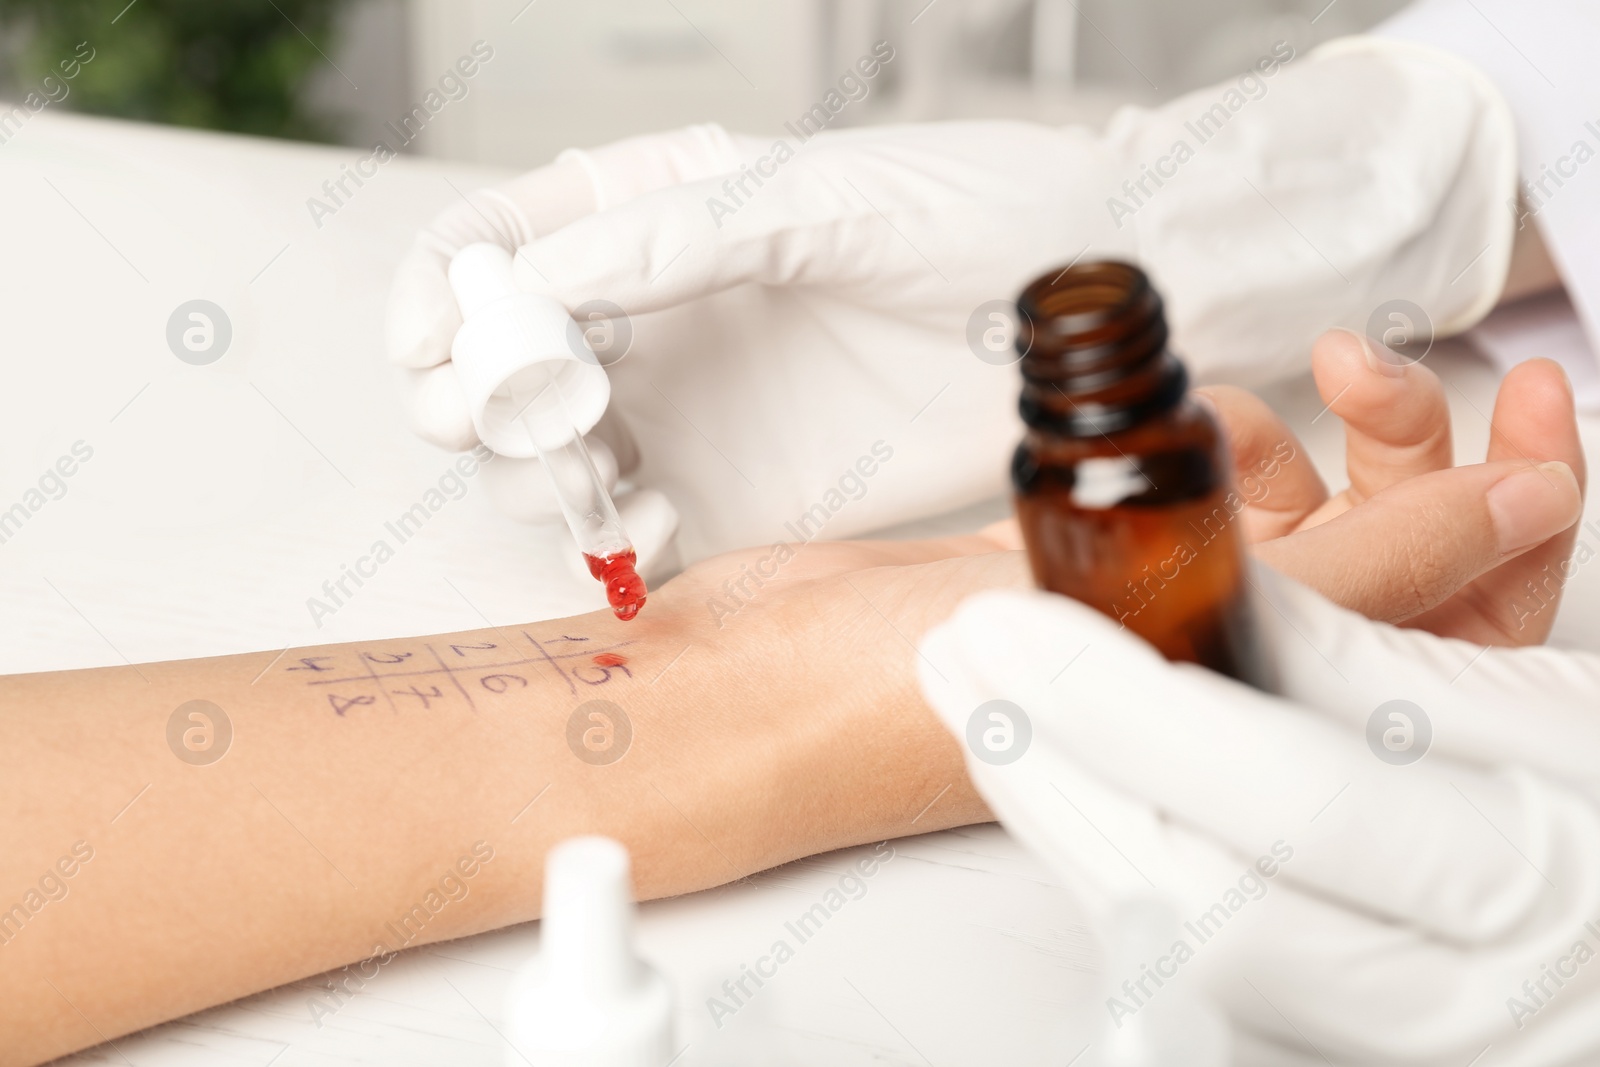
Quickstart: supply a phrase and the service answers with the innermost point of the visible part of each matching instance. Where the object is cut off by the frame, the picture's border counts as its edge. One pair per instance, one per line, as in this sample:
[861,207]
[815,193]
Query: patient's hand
[1414,539]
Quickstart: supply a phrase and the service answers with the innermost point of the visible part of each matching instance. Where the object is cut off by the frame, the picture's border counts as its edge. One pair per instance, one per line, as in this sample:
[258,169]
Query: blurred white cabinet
[584,72]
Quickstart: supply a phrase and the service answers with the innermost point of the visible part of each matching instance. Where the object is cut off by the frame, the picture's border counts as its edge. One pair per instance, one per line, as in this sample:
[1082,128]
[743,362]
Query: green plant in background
[239,65]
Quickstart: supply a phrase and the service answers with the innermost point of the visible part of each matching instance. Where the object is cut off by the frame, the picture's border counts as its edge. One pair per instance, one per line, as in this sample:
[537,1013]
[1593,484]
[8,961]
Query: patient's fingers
[1397,423]
[1005,535]
[1534,419]
[1415,544]
[1533,423]
[1271,470]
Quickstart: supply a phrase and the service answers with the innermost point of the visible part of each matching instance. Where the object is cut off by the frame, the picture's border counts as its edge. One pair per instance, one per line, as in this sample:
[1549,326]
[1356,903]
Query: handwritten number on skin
[433,693]
[342,704]
[499,683]
[604,672]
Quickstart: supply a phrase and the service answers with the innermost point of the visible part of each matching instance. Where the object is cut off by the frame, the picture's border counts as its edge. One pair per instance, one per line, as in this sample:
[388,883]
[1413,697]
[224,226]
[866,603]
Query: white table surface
[219,498]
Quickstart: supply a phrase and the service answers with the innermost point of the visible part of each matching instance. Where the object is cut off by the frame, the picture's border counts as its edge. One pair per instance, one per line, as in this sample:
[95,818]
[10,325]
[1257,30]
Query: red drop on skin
[624,588]
[610,659]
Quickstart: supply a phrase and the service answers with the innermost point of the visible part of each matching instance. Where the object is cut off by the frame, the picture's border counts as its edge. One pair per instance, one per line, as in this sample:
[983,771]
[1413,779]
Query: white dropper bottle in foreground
[587,1000]
[1175,1026]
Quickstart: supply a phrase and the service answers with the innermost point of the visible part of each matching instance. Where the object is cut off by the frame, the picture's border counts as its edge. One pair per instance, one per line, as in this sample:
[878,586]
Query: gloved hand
[818,327]
[423,316]
[1395,861]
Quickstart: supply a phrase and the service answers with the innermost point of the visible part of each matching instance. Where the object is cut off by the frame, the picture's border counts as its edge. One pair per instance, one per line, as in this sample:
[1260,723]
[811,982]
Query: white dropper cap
[1173,1026]
[587,1000]
[524,364]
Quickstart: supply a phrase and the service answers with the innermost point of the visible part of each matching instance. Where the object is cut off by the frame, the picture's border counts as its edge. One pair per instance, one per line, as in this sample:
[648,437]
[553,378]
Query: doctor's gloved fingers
[436,407]
[1417,543]
[1396,419]
[1403,846]
[628,168]
[422,317]
[1478,702]
[1271,471]
[655,251]
[666,248]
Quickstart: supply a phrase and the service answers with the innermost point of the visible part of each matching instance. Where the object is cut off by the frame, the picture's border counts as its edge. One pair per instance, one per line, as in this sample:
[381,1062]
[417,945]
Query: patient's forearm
[391,793]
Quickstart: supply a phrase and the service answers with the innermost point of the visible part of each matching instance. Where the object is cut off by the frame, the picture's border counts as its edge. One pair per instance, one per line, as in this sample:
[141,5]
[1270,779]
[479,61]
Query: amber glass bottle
[1123,480]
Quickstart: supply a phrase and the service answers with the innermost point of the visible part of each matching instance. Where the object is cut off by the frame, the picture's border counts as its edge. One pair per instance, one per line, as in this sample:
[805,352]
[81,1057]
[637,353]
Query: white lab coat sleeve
[1540,55]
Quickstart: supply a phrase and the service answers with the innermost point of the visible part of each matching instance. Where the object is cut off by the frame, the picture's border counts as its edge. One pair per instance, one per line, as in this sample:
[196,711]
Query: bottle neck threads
[1093,340]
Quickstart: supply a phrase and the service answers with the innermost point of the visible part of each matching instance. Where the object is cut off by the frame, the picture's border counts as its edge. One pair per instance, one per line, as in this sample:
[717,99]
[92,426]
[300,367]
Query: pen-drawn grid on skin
[459,667]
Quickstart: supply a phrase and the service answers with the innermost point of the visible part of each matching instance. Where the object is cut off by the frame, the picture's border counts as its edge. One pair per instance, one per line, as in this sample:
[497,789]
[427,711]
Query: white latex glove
[1404,903]
[423,317]
[840,319]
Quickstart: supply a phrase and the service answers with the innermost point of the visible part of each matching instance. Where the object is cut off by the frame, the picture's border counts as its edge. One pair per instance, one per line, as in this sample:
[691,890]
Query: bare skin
[1532,270]
[794,729]
[386,794]
[1430,540]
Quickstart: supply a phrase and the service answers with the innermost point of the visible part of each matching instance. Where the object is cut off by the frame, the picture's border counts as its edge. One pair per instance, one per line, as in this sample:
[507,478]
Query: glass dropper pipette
[526,372]
[587,506]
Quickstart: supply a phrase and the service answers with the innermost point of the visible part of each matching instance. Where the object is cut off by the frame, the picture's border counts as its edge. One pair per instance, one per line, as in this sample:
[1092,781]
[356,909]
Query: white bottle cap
[529,375]
[588,1000]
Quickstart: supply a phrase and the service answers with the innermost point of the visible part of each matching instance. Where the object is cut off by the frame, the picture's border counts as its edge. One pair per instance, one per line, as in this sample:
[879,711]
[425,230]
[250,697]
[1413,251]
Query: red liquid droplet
[624,588]
[610,659]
